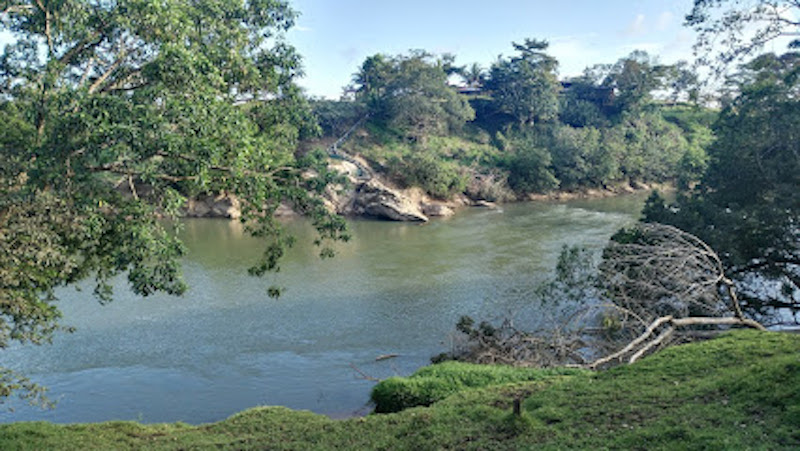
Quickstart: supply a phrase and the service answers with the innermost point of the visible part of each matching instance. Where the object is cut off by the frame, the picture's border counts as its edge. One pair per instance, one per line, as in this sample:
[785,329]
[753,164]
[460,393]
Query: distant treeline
[515,128]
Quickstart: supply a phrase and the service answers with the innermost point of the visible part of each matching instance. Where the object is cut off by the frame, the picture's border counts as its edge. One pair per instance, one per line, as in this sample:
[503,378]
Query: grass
[740,391]
[437,382]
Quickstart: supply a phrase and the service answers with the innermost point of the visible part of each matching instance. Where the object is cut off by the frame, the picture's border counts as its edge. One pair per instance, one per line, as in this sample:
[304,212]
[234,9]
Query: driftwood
[655,285]
[644,343]
[383,357]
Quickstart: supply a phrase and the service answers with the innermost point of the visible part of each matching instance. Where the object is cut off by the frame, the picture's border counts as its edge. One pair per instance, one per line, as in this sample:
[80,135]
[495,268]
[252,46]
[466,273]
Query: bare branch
[102,78]
[47,27]
[633,344]
[657,269]
[90,42]
[653,344]
[642,346]
[22,9]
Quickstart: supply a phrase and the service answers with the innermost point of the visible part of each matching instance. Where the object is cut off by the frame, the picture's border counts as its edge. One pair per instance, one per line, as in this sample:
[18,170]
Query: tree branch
[228,169]
[673,324]
[657,341]
[47,28]
[17,9]
[89,42]
[100,80]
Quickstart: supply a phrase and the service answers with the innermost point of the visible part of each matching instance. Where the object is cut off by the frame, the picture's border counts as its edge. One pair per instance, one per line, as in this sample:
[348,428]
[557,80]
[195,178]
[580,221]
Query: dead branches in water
[656,285]
[507,345]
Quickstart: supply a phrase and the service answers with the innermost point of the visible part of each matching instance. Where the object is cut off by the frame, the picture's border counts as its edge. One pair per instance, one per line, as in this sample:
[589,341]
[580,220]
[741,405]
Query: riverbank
[739,391]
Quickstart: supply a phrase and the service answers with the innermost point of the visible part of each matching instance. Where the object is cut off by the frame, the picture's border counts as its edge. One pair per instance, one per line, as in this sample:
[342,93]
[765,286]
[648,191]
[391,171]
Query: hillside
[741,390]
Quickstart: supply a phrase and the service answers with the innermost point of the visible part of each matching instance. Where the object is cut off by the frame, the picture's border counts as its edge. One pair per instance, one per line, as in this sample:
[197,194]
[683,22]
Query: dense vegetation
[747,205]
[515,129]
[112,113]
[739,391]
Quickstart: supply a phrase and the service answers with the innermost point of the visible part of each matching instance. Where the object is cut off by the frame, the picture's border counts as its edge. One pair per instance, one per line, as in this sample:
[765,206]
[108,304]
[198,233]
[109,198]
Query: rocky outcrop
[375,199]
[219,206]
[437,210]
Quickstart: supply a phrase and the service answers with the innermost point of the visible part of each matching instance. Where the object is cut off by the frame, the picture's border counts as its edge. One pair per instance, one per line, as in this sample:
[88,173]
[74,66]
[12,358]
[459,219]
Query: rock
[196,208]
[485,204]
[226,206]
[219,206]
[284,211]
[350,170]
[439,210]
[373,198]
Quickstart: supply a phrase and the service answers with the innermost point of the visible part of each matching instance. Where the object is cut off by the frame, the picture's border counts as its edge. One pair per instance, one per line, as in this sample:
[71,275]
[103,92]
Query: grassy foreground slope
[741,390]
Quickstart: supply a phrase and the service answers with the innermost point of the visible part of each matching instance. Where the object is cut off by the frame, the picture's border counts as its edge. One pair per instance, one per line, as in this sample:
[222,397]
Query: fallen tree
[655,286]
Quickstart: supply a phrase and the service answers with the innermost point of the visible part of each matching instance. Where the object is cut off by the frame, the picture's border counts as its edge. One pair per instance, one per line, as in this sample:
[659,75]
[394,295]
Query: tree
[158,99]
[410,93]
[734,29]
[526,86]
[659,277]
[633,79]
[657,270]
[584,103]
[645,146]
[529,164]
[474,75]
[682,83]
[747,205]
[652,279]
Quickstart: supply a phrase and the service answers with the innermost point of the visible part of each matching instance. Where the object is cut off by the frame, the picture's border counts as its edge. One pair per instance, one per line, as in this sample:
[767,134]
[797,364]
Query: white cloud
[638,26]
[665,19]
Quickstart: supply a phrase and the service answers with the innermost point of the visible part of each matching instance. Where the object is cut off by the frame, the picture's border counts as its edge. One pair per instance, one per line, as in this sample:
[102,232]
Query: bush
[336,117]
[437,177]
[529,171]
[436,382]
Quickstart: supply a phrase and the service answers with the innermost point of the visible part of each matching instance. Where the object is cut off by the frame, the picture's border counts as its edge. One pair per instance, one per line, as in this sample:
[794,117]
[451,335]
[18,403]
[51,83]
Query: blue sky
[335,36]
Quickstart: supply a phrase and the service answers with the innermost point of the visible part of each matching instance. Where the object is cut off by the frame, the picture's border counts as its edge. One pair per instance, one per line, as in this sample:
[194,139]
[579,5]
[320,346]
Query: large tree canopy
[410,93]
[747,206]
[526,86]
[164,98]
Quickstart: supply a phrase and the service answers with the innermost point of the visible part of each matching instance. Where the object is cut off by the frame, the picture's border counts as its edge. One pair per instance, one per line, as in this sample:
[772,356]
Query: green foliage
[634,78]
[602,129]
[335,117]
[579,157]
[438,177]
[746,206]
[696,124]
[529,164]
[153,99]
[442,165]
[435,383]
[577,112]
[646,147]
[526,86]
[739,391]
[410,93]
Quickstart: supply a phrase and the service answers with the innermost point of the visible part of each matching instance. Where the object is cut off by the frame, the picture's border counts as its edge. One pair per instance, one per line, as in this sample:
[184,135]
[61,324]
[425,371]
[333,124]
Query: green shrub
[436,382]
[437,177]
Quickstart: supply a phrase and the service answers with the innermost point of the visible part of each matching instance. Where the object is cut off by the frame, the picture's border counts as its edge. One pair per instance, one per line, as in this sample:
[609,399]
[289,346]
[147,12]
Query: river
[225,346]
